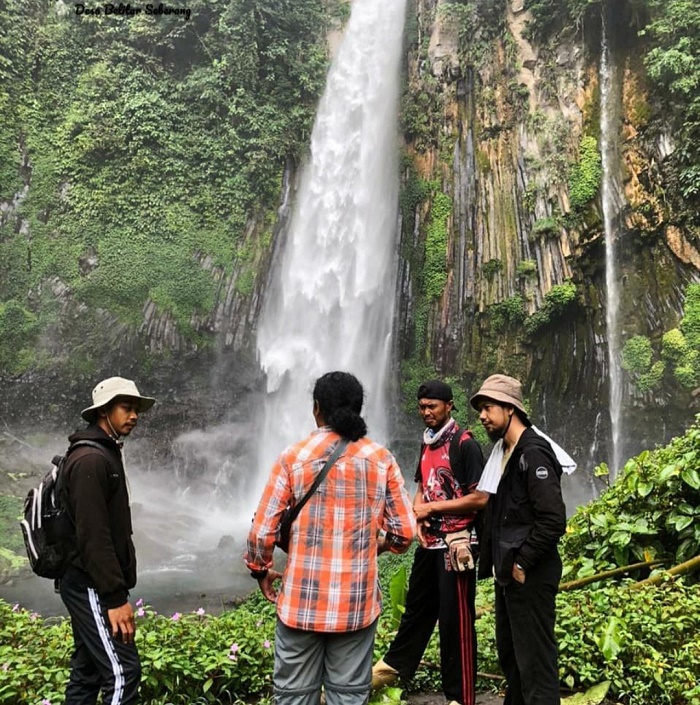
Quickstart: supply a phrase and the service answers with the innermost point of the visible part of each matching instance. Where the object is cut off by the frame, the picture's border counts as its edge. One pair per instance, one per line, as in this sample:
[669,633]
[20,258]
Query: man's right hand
[123,623]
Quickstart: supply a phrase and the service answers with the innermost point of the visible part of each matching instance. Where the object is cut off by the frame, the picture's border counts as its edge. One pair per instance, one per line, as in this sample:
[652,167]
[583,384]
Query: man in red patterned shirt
[442,585]
[329,599]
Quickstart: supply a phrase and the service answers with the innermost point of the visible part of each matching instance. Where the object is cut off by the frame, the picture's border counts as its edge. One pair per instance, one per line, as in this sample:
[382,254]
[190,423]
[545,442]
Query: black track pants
[436,594]
[99,662]
[527,649]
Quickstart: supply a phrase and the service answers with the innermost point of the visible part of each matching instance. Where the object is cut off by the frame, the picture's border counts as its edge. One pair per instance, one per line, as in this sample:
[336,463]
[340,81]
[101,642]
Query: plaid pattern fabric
[330,582]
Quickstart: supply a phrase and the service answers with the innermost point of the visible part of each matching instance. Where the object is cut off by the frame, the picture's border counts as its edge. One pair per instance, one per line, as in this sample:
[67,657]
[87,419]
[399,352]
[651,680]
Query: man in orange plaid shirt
[329,599]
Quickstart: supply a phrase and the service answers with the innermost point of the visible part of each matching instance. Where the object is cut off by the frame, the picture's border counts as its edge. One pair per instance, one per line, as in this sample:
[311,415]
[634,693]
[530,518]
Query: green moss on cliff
[150,142]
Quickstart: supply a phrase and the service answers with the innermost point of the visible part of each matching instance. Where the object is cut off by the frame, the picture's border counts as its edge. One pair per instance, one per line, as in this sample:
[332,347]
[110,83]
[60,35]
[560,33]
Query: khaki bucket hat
[501,388]
[108,389]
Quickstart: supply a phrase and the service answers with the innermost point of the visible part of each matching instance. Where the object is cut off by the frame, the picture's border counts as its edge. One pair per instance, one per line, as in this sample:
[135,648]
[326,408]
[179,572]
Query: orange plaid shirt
[330,583]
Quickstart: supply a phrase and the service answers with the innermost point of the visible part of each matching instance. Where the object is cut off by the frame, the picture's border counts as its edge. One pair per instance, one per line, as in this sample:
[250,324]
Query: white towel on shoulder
[491,475]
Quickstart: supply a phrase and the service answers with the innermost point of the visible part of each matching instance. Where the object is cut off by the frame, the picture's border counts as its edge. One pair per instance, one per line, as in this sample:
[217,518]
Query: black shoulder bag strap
[342,444]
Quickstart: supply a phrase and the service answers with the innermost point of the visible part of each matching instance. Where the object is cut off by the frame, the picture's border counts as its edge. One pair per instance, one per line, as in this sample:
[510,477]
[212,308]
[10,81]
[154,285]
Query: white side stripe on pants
[106,640]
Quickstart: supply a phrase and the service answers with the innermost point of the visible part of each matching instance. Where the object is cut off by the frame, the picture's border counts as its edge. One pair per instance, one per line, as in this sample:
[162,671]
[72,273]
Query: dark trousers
[436,594]
[99,662]
[527,648]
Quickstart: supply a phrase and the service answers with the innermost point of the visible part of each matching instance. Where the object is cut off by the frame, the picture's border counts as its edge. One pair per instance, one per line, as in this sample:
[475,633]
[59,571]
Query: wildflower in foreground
[140,612]
[45,701]
[15,607]
[176,616]
[200,612]
[266,644]
[139,602]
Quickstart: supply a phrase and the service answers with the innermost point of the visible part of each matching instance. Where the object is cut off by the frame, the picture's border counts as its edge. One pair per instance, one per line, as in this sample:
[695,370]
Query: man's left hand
[518,574]
[267,585]
[422,511]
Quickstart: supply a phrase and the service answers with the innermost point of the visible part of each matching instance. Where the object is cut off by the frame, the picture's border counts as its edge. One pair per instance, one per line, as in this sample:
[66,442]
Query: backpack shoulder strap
[456,463]
[61,478]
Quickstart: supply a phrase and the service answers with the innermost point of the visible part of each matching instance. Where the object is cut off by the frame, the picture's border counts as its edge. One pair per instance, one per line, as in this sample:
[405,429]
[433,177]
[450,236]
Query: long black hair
[339,396]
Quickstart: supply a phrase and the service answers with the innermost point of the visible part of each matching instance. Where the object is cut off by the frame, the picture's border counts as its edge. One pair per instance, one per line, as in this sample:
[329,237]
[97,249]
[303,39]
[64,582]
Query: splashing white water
[330,304]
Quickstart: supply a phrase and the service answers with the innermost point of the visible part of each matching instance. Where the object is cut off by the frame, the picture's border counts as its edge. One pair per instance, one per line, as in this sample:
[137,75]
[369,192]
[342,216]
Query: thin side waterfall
[331,300]
[608,136]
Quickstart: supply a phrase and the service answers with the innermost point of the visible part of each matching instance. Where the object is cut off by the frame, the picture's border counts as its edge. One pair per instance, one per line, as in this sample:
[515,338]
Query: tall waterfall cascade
[329,305]
[609,108]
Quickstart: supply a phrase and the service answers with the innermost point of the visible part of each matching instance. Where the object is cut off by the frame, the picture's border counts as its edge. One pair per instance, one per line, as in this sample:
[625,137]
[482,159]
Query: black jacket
[526,517]
[98,502]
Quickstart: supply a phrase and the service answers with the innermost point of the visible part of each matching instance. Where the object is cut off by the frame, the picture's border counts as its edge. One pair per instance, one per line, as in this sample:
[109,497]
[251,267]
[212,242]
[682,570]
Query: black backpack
[47,527]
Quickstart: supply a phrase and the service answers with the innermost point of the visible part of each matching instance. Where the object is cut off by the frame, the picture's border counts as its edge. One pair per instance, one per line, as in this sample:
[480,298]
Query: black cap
[435,389]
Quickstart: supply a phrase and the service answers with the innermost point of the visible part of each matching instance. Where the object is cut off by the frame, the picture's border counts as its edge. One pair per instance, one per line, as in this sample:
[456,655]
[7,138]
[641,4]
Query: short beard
[495,435]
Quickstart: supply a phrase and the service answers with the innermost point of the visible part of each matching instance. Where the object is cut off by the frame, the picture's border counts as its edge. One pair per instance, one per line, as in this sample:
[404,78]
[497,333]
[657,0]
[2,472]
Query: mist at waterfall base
[190,516]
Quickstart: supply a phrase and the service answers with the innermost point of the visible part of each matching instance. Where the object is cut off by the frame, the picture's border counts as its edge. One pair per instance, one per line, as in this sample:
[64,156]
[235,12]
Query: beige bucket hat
[108,389]
[501,388]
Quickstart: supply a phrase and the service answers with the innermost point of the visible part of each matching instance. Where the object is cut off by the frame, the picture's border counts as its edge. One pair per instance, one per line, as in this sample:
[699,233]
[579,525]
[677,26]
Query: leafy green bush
[652,511]
[187,657]
[637,354]
[491,267]
[680,350]
[509,312]
[548,227]
[435,267]
[559,299]
[526,268]
[586,174]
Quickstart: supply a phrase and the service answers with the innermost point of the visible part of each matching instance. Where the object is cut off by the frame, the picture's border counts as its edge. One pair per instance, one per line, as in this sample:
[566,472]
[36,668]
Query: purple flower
[140,612]
[200,612]
[33,616]
[139,602]
[15,607]
[233,657]
[176,616]
[235,648]
[45,701]
[266,644]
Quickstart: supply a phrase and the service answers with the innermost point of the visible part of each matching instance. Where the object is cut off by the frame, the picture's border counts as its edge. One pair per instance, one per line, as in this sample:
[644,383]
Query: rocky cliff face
[509,138]
[502,264]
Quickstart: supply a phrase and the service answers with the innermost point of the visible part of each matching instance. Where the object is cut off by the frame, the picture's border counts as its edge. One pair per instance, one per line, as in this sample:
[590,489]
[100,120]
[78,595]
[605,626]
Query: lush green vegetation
[652,511]
[585,175]
[146,144]
[679,351]
[640,640]
[557,301]
[669,31]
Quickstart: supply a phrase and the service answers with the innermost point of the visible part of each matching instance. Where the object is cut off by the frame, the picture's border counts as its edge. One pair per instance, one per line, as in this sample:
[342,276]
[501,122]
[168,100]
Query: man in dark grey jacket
[524,520]
[95,588]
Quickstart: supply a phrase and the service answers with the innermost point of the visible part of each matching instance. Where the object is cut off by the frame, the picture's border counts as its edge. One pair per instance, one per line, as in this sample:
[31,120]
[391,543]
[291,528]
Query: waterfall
[608,135]
[330,302]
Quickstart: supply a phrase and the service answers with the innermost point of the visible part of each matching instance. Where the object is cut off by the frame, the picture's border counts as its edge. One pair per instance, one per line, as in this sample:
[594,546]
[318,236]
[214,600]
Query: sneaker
[383,674]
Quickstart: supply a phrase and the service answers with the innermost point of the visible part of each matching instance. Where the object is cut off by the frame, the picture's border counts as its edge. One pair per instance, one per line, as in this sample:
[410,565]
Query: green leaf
[691,477]
[608,642]
[207,686]
[644,488]
[593,696]
[682,522]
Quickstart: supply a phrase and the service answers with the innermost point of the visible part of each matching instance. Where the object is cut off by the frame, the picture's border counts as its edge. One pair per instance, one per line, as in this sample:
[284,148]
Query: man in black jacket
[524,520]
[95,587]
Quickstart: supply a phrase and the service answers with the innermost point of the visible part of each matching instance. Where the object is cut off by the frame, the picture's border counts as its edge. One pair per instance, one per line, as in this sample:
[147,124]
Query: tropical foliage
[639,640]
[135,150]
